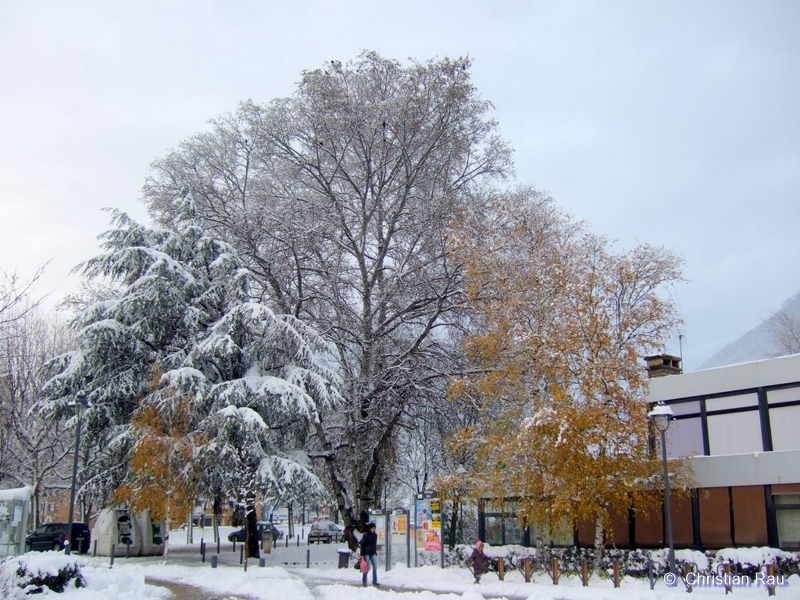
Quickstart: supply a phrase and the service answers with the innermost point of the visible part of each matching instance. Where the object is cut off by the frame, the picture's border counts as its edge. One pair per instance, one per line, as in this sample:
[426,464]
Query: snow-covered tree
[338,198]
[784,331]
[251,381]
[15,295]
[34,450]
[562,325]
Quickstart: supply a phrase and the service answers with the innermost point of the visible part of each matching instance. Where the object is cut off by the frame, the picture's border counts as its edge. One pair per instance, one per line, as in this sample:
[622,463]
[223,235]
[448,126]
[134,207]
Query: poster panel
[399,528]
[380,530]
[429,524]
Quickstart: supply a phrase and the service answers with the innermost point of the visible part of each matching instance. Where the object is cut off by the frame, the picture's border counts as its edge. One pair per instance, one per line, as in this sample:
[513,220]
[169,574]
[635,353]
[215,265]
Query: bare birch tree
[784,329]
[34,449]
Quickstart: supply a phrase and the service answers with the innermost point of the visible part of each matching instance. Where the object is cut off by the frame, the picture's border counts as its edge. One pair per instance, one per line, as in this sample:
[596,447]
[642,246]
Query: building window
[501,523]
[494,530]
[787,513]
[735,433]
[791,394]
[749,516]
[715,517]
[685,438]
[783,425]
[732,402]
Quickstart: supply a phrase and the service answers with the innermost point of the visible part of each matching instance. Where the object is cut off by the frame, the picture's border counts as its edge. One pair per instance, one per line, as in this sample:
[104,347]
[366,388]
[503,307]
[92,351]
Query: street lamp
[80,404]
[460,491]
[660,416]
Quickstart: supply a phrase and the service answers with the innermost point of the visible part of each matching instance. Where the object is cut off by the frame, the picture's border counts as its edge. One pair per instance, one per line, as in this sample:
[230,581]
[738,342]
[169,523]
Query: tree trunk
[599,536]
[251,523]
[166,533]
[453,523]
[216,508]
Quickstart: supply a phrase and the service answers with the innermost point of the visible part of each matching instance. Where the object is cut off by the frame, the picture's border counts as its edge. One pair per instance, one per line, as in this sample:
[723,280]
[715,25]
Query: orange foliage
[163,478]
[562,324]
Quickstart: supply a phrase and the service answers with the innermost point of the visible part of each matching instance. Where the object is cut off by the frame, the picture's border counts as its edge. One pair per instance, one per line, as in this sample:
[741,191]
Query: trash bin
[344,558]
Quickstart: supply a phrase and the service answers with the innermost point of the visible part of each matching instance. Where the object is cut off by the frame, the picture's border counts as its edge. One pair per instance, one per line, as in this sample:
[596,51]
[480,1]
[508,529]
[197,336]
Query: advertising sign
[399,527]
[380,529]
[429,524]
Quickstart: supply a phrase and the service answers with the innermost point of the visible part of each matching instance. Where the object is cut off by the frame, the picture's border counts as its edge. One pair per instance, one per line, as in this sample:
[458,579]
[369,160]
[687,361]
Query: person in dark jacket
[479,561]
[369,550]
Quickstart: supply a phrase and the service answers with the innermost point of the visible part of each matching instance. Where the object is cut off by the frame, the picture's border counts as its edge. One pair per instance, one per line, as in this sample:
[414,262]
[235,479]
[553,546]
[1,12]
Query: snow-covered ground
[285,576]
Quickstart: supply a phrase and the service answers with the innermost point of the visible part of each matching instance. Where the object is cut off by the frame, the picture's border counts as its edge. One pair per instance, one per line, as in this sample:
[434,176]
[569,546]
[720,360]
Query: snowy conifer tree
[185,328]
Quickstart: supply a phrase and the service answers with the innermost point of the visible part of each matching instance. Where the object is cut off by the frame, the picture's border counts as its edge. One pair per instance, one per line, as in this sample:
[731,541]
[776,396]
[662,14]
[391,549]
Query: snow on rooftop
[23,493]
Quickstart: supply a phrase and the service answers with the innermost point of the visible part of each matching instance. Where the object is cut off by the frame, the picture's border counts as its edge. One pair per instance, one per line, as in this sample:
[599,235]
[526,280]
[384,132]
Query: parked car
[52,536]
[241,534]
[325,531]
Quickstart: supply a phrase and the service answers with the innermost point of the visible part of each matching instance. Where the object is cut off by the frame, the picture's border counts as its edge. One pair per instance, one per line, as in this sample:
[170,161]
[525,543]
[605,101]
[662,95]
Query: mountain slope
[756,343]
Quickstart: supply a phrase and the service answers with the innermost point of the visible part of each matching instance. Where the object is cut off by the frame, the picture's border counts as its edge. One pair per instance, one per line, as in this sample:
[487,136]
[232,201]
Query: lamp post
[661,416]
[80,406]
[460,492]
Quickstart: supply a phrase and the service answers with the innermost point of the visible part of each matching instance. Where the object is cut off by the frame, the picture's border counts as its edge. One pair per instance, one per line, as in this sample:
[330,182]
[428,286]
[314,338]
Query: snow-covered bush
[431,559]
[570,559]
[32,573]
[459,555]
[749,561]
[634,562]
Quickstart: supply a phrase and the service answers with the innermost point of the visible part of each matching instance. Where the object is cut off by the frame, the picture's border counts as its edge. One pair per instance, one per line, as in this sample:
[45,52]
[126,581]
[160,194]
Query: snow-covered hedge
[749,561]
[32,573]
[633,563]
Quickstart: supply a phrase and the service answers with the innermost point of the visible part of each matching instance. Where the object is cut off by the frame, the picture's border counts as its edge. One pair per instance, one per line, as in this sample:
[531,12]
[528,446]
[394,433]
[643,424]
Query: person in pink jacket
[479,562]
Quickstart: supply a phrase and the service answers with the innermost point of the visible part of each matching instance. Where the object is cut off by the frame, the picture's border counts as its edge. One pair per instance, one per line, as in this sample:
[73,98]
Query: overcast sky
[674,123]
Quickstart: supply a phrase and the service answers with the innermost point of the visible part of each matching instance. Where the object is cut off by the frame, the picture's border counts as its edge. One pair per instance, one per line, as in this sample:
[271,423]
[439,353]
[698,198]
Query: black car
[240,534]
[51,536]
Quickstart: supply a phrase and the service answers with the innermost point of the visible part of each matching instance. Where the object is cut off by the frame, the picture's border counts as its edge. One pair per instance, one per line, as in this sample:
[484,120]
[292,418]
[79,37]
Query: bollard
[770,578]
[555,571]
[214,558]
[203,550]
[687,569]
[298,541]
[308,558]
[287,541]
[241,554]
[527,568]
[585,572]
[726,569]
[113,552]
[262,562]
[616,573]
[650,573]
[501,568]
[234,545]
[94,552]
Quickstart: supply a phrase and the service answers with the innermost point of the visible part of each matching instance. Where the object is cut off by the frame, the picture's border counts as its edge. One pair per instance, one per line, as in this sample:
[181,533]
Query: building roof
[731,378]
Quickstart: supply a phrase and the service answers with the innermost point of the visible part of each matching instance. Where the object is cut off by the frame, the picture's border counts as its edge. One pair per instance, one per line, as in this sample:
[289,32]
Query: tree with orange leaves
[561,325]
[163,476]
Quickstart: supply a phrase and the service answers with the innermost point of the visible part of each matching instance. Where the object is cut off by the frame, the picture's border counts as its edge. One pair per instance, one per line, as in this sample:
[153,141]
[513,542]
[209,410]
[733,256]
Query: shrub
[636,562]
[749,561]
[32,573]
